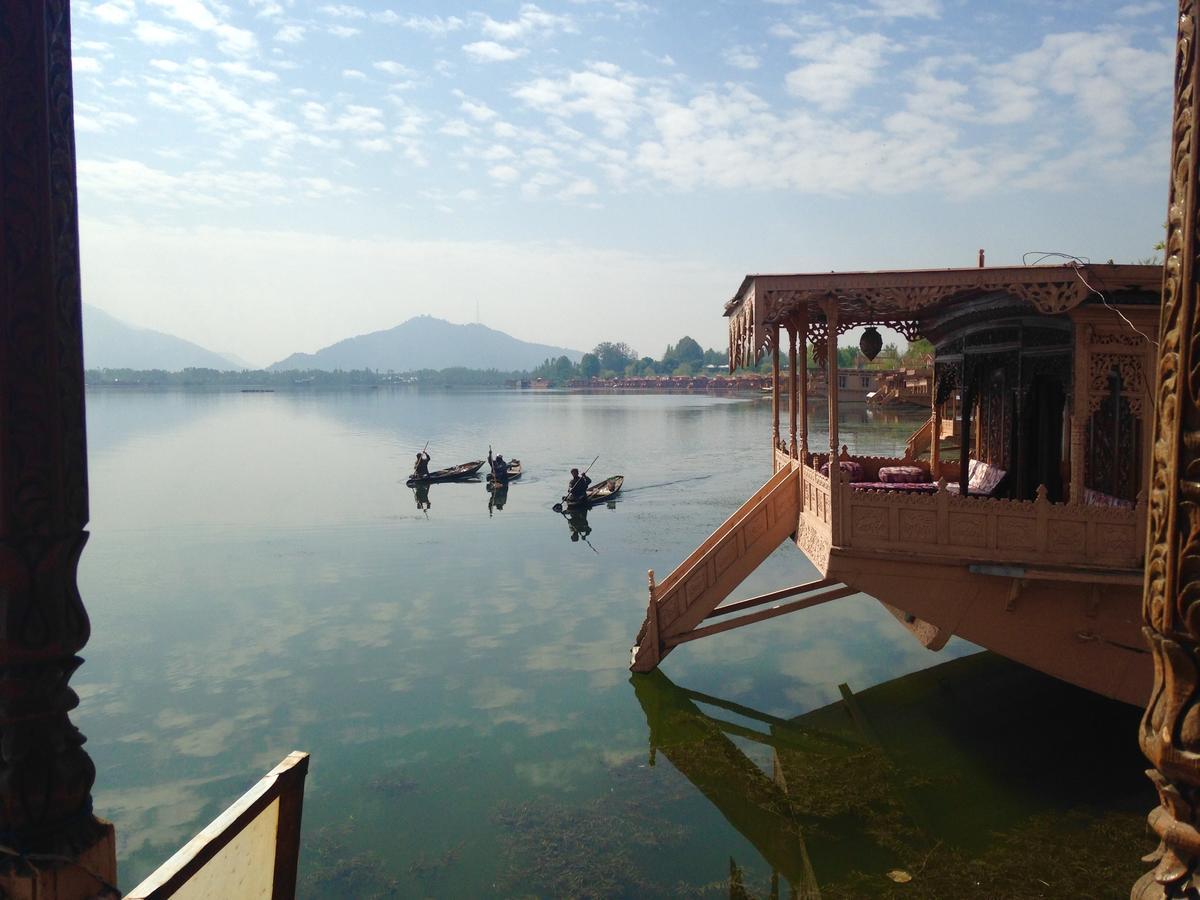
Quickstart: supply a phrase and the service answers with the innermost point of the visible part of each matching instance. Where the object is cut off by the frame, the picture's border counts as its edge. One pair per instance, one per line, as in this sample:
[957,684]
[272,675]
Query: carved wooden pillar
[804,386]
[793,386]
[45,775]
[964,451]
[831,373]
[1170,730]
[774,393]
[1079,411]
[935,439]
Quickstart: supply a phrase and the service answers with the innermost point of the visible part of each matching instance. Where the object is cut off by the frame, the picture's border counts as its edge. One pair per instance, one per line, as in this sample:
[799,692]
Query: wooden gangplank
[693,593]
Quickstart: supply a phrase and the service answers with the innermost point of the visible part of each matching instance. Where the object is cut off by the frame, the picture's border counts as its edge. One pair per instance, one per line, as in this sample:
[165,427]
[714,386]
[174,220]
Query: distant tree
[688,351]
[916,354]
[614,357]
[716,357]
[647,366]
[563,368]
[589,365]
[684,368]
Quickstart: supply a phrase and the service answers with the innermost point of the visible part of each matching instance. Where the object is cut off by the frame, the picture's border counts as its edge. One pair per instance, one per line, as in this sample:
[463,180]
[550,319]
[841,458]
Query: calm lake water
[260,580]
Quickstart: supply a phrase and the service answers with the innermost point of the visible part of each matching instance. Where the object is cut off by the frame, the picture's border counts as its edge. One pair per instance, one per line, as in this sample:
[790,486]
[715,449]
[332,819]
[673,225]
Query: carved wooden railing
[1030,532]
[690,593]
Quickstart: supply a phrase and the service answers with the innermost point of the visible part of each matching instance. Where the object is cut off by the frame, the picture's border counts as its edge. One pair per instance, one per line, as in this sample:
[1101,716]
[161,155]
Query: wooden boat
[514,472]
[598,493]
[454,473]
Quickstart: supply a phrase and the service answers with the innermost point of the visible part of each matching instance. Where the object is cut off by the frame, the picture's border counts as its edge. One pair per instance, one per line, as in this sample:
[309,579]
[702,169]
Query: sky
[265,177]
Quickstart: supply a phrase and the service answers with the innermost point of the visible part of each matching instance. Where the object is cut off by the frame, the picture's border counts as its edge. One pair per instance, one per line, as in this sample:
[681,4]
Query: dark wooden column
[793,387]
[45,775]
[774,392]
[1170,730]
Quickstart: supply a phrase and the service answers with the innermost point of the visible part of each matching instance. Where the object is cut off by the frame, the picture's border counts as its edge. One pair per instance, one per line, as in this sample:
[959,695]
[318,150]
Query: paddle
[558,507]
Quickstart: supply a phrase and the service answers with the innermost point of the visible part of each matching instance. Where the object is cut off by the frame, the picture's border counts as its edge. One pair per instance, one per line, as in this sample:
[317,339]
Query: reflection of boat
[514,472]
[598,493]
[877,781]
[454,473]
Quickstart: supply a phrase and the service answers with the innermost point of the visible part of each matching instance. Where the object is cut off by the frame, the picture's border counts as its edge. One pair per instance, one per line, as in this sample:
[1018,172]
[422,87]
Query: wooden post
[935,441]
[831,369]
[793,387]
[1171,603]
[45,775]
[964,454]
[1079,410]
[804,388]
[774,393]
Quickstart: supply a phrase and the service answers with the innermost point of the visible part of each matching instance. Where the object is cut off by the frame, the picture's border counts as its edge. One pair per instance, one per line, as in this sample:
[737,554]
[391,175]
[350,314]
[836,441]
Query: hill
[109,343]
[428,343]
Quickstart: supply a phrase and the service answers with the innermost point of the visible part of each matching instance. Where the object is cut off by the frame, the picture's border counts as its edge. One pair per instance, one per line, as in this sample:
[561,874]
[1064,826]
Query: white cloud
[85,64]
[504,174]
[114,12]
[1134,10]
[530,20]
[158,35]
[354,74]
[741,57]
[603,91]
[478,111]
[290,34]
[432,25]
[490,51]
[905,9]
[391,67]
[837,67]
[342,31]
[342,11]
[457,128]
[242,70]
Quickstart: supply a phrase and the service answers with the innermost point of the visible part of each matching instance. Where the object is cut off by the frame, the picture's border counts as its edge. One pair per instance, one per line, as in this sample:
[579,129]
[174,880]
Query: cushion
[851,469]
[912,487]
[983,479]
[1099,498]
[904,474]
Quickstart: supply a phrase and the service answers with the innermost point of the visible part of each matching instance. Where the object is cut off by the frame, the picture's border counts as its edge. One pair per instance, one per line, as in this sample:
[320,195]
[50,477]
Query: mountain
[428,343]
[109,343]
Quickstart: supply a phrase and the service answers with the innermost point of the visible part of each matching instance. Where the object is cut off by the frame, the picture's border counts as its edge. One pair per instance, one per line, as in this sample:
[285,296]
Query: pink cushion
[913,487]
[851,469]
[982,478]
[1099,498]
[903,474]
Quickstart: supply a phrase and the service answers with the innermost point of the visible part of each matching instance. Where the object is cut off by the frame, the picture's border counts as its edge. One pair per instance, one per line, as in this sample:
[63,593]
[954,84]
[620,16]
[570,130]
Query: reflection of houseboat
[875,781]
[1031,542]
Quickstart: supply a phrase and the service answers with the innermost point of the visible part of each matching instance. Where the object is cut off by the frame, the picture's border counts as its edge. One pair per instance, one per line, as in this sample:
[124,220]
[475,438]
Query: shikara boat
[514,472]
[598,493]
[454,473]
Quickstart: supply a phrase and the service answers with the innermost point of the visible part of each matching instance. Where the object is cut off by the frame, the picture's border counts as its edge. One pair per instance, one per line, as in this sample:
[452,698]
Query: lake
[260,580]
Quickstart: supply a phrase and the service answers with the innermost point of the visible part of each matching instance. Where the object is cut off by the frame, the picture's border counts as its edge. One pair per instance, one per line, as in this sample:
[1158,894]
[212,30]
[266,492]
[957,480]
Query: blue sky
[265,177]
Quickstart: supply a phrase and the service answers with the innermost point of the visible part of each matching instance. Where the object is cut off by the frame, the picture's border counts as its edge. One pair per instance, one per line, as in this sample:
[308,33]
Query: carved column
[45,775]
[1080,372]
[774,393]
[935,439]
[804,386]
[793,386]
[831,374]
[1170,730]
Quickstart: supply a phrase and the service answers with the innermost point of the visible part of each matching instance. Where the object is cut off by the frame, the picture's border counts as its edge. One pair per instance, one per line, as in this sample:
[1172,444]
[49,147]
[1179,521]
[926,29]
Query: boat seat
[852,470]
[911,487]
[1099,498]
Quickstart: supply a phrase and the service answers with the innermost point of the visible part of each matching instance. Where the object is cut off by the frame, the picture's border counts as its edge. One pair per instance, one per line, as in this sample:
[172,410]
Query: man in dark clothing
[577,489]
[499,468]
[421,469]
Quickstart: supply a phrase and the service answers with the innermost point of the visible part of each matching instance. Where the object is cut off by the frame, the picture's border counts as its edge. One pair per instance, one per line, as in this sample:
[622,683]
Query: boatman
[577,489]
[499,468]
[421,468]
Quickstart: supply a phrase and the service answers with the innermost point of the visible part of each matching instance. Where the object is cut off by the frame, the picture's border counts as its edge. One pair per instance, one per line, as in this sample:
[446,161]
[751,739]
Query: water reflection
[497,497]
[975,776]
[577,524]
[421,494]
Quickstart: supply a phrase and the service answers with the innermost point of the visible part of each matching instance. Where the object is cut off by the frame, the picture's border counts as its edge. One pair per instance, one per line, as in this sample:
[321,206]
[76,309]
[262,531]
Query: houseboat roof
[901,298]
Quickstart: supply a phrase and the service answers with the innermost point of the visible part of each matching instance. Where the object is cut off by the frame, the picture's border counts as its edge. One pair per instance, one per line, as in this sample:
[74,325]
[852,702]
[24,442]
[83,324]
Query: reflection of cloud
[162,815]
[495,695]
[208,741]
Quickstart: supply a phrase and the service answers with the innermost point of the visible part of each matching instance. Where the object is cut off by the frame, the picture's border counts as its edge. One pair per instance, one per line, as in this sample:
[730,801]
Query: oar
[558,507]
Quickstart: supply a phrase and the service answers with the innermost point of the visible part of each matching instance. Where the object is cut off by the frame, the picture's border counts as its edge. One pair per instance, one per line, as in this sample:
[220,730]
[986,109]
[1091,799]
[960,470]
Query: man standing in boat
[499,468]
[577,489]
[421,468]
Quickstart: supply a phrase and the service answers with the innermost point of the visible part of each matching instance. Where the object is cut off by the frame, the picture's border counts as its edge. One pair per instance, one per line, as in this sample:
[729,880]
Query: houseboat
[1029,543]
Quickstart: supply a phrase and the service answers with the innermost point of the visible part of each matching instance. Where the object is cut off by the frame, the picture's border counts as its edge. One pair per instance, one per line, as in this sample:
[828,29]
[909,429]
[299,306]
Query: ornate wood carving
[1170,729]
[45,776]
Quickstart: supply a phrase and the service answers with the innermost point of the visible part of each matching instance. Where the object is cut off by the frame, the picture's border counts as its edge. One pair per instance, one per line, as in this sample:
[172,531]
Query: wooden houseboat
[1030,543]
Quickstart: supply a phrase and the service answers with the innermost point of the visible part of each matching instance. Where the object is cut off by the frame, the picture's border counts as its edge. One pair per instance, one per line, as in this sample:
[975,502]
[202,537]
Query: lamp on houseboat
[870,343]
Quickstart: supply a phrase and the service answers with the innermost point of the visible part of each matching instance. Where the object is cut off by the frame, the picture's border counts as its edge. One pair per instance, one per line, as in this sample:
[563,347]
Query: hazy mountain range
[428,343]
[420,343]
[109,343]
